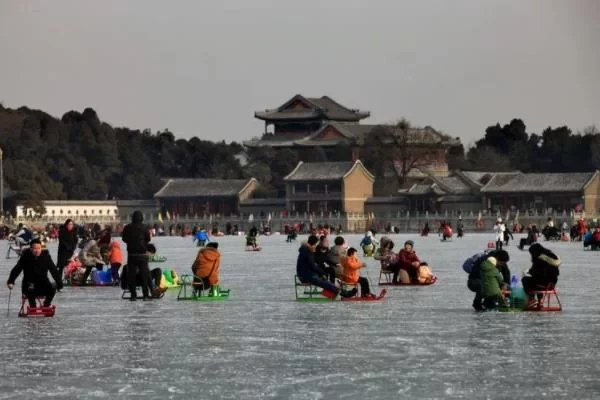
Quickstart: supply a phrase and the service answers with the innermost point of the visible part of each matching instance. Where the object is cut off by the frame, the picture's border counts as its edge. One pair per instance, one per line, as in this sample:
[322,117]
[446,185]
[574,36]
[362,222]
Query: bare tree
[595,144]
[397,143]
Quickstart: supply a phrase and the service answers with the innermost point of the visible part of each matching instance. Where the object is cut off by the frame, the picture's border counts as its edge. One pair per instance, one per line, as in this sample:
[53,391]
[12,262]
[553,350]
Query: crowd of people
[324,266]
[335,269]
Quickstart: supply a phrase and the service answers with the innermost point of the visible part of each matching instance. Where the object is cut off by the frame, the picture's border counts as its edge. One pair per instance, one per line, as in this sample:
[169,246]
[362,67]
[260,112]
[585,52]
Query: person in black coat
[474,280]
[308,271]
[35,264]
[67,243]
[137,236]
[323,260]
[544,269]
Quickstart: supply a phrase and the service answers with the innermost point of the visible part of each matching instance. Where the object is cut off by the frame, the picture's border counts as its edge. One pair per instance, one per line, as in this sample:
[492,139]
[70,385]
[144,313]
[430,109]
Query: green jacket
[491,279]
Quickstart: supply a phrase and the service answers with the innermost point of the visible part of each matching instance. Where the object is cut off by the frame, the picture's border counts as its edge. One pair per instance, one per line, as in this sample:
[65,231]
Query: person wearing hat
[309,272]
[323,259]
[491,284]
[409,262]
[543,272]
[499,228]
[336,253]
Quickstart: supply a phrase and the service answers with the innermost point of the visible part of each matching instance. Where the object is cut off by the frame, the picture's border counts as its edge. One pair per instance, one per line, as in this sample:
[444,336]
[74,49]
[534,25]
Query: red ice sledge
[359,298]
[39,311]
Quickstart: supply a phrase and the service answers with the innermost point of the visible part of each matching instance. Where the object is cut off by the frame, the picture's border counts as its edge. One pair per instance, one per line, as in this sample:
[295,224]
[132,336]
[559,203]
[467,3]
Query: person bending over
[35,264]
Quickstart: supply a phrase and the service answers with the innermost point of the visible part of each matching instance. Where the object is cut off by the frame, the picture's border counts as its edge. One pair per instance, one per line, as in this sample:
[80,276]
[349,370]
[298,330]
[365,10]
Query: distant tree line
[80,157]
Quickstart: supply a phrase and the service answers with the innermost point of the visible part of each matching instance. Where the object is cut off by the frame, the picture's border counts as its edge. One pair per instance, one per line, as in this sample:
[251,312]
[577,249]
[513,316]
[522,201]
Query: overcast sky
[201,68]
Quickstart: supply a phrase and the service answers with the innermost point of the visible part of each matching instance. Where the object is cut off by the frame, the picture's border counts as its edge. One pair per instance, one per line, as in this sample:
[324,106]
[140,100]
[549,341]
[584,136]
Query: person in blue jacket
[201,237]
[309,272]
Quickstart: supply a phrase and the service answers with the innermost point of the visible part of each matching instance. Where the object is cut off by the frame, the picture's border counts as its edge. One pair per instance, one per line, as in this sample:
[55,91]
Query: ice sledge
[39,311]
[195,290]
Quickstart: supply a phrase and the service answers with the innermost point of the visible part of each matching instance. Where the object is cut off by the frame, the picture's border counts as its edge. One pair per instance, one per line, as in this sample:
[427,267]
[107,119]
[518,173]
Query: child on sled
[368,244]
[351,274]
[491,284]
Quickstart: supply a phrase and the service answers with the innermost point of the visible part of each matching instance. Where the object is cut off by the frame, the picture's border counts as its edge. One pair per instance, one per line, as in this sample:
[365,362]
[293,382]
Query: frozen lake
[419,343]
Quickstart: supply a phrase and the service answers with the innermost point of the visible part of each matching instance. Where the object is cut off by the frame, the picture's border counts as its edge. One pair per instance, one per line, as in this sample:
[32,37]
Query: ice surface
[419,343]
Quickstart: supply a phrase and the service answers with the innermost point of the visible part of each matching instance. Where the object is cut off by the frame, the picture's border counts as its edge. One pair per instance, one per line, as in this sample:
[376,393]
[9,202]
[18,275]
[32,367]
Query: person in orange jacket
[115,257]
[351,265]
[207,266]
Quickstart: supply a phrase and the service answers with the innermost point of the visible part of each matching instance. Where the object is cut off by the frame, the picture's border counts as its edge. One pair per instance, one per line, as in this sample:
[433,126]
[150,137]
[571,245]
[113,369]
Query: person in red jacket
[408,260]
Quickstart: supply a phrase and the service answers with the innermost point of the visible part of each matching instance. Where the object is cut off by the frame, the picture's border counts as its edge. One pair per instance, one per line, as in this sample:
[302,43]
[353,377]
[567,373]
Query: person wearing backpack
[472,266]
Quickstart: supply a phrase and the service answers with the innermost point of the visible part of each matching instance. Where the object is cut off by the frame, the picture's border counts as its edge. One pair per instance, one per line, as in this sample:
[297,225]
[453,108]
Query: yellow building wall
[592,196]
[358,187]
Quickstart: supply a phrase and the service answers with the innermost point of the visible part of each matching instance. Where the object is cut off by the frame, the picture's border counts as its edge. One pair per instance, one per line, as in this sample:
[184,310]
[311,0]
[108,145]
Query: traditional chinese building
[338,187]
[543,191]
[204,196]
[326,127]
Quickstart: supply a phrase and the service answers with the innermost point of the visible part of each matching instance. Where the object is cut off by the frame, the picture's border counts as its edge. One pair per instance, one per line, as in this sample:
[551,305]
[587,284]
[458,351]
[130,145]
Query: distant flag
[507,216]
[517,217]
[269,218]
[168,215]
[479,216]
[160,218]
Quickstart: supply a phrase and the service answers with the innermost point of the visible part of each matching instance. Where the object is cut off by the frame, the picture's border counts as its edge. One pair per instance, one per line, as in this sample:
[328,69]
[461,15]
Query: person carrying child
[351,275]
[207,267]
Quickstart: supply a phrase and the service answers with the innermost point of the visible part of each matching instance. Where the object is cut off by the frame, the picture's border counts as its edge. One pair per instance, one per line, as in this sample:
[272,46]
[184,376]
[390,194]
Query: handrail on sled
[192,288]
[308,291]
[547,300]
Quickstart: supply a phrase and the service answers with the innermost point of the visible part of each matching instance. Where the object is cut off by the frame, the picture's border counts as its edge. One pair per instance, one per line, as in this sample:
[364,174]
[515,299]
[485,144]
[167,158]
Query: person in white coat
[499,229]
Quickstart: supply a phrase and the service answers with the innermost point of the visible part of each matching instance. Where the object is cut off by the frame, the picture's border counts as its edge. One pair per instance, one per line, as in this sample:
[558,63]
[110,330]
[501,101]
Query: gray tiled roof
[452,184]
[323,171]
[481,178]
[420,188]
[349,130]
[200,187]
[322,107]
[319,171]
[415,135]
[538,182]
[459,198]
